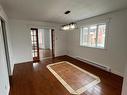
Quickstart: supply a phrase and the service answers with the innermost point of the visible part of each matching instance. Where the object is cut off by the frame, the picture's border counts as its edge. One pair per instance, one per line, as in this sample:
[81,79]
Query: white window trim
[106,35]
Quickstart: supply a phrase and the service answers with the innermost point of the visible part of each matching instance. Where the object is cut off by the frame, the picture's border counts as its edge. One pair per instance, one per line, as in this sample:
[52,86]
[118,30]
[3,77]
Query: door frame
[53,42]
[38,57]
[5,40]
[6,48]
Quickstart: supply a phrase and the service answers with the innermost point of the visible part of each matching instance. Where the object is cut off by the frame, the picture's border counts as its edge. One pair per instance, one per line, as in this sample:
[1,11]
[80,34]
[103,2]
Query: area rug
[75,79]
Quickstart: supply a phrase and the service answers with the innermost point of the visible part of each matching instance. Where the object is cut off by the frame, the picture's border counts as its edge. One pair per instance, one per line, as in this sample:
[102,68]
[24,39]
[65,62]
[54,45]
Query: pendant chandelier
[70,26]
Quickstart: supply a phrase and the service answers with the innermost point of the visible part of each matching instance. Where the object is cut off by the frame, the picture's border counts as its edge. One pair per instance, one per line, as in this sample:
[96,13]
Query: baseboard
[25,62]
[103,67]
[61,56]
[8,91]
[112,72]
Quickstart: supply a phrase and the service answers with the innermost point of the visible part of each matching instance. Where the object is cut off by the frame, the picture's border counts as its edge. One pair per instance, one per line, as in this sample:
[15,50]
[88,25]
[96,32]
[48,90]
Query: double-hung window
[93,36]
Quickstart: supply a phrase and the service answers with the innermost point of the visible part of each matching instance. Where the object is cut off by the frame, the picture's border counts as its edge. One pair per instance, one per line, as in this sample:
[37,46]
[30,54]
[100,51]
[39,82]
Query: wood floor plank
[75,79]
[36,79]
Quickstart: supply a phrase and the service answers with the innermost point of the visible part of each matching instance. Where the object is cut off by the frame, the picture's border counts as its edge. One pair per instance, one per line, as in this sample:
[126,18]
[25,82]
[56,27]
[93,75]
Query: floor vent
[106,68]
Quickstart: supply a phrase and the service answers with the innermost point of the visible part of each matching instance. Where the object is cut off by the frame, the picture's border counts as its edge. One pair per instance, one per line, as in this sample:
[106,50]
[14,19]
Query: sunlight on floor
[35,64]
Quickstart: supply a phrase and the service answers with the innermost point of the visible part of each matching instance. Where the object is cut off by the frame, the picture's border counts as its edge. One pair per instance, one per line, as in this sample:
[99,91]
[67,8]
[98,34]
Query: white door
[4,79]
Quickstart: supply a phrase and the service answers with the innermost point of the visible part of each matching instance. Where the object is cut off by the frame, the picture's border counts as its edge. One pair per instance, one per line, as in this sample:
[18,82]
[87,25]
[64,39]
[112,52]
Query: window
[93,36]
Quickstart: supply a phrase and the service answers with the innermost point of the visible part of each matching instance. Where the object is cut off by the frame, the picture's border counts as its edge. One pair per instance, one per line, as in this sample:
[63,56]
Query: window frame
[88,26]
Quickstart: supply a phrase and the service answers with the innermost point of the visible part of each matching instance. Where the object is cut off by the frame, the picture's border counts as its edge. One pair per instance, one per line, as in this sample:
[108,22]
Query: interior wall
[4,79]
[21,40]
[114,56]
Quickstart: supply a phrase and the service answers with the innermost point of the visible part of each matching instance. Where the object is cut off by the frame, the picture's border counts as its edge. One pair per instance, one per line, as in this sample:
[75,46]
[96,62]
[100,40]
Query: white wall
[114,55]
[4,80]
[21,41]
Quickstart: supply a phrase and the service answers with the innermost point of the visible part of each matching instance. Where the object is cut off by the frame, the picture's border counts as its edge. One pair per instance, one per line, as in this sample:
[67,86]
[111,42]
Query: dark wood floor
[36,79]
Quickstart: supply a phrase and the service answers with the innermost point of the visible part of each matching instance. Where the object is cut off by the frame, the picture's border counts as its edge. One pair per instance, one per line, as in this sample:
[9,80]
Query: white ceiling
[53,10]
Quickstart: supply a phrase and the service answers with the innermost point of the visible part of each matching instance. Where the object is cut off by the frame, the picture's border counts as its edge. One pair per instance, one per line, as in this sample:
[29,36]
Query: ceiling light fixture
[70,26]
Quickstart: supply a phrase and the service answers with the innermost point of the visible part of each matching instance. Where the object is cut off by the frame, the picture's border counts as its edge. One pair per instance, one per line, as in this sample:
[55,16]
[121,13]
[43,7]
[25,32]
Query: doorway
[35,45]
[42,43]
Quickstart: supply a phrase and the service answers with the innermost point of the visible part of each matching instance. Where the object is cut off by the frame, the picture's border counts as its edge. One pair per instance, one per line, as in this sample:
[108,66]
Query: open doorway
[45,43]
[42,43]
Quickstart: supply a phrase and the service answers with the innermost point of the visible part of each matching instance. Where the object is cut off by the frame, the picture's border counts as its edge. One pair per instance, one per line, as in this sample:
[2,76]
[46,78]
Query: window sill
[94,47]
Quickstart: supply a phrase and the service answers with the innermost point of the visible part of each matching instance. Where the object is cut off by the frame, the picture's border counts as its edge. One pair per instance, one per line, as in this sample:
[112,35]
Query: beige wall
[114,56]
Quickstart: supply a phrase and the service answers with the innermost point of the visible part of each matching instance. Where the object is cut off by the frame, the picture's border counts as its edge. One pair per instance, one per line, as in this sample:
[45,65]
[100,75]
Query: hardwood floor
[73,78]
[45,53]
[36,79]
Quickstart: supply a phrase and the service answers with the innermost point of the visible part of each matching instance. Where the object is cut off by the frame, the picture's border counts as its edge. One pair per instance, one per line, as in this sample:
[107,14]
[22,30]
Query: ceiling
[53,10]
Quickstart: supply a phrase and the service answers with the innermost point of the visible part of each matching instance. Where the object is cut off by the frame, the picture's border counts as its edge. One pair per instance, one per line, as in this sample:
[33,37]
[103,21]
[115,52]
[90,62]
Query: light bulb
[64,28]
[67,27]
[72,26]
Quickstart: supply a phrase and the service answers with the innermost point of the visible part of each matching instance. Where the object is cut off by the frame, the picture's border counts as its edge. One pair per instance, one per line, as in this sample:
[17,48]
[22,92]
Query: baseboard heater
[106,68]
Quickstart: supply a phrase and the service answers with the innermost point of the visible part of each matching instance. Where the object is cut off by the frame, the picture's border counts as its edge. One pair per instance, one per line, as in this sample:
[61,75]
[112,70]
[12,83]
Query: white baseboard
[8,90]
[110,69]
[103,67]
